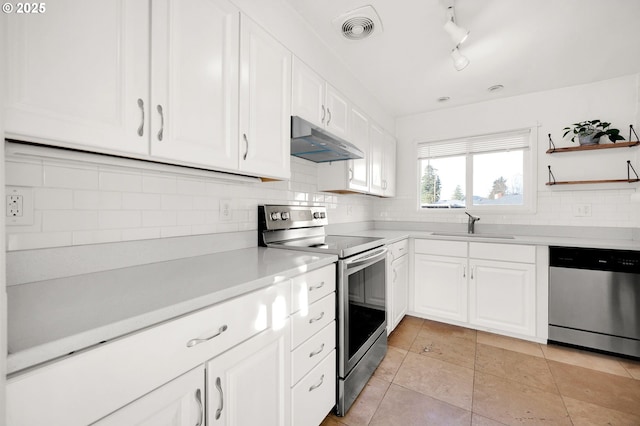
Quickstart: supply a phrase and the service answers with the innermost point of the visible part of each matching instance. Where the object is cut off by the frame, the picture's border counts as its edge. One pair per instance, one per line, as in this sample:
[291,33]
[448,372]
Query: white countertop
[52,318]
[391,236]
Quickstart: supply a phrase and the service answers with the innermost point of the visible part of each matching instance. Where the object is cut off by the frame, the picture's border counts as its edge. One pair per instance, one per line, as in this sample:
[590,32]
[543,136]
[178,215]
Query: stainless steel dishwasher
[594,299]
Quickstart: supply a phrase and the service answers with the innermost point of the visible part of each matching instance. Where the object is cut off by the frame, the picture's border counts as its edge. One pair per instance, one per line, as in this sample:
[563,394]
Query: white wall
[3,292]
[615,100]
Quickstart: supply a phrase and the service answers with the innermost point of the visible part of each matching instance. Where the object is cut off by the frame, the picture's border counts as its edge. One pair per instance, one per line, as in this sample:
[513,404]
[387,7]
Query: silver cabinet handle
[141,128]
[395,275]
[161,131]
[200,407]
[324,113]
[464,272]
[194,342]
[314,387]
[246,143]
[350,174]
[316,287]
[328,116]
[318,318]
[221,406]
[317,351]
[472,268]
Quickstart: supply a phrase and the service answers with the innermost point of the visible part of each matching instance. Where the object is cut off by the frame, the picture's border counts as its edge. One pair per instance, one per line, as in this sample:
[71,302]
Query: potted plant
[589,132]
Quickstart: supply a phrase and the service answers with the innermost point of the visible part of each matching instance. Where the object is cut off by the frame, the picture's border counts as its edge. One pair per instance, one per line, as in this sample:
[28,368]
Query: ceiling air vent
[359,23]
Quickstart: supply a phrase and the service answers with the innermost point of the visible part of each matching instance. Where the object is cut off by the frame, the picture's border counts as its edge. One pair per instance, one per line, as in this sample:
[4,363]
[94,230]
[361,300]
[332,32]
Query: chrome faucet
[471,224]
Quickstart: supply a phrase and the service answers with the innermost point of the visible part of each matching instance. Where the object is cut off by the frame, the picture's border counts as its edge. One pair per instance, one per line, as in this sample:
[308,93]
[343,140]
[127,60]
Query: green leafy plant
[589,127]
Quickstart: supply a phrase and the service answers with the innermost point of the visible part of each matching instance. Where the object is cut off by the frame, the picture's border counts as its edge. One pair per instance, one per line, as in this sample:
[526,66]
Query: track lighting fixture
[460,61]
[458,34]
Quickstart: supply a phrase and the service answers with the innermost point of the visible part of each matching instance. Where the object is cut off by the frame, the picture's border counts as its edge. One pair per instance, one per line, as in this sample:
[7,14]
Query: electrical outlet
[225,210]
[582,210]
[18,206]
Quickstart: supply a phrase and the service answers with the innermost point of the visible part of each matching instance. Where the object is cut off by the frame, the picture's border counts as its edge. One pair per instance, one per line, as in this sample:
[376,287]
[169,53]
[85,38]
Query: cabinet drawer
[306,324]
[311,352]
[315,395]
[441,247]
[312,286]
[503,252]
[129,367]
[398,249]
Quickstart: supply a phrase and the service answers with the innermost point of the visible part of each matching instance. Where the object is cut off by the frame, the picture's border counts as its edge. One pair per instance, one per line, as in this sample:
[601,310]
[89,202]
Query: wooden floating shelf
[594,147]
[584,182]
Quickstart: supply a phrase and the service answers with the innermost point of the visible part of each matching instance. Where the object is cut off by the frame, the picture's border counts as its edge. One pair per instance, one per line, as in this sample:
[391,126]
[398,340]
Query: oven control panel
[286,217]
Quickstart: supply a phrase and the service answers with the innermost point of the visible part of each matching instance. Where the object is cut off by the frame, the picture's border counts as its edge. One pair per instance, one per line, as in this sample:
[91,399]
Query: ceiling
[524,45]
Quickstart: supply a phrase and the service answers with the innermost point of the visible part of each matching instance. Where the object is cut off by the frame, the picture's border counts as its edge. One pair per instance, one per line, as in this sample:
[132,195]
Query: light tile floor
[439,374]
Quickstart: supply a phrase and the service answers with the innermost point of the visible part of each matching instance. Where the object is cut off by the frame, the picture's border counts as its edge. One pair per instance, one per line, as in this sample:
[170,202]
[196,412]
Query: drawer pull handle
[219,387]
[314,387]
[318,318]
[191,343]
[316,287]
[317,351]
[200,407]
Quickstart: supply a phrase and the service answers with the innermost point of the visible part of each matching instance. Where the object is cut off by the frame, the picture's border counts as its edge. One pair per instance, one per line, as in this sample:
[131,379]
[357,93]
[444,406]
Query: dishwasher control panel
[595,259]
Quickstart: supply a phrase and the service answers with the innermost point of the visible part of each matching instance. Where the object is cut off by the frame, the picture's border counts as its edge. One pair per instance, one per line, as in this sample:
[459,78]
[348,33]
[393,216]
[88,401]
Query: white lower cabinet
[315,395]
[178,403]
[249,385]
[397,283]
[487,286]
[441,286]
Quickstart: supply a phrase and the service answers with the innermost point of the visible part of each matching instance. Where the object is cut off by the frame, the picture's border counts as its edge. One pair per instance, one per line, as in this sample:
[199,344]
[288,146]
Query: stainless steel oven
[362,323]
[361,288]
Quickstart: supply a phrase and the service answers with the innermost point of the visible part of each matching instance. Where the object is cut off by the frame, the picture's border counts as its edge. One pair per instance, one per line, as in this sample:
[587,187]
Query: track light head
[460,61]
[458,34]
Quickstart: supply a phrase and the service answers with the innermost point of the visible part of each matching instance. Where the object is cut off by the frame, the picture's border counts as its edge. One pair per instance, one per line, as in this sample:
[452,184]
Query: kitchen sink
[464,234]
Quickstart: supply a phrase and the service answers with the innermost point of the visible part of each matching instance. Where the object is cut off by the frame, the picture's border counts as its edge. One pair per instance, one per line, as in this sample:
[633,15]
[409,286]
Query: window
[480,172]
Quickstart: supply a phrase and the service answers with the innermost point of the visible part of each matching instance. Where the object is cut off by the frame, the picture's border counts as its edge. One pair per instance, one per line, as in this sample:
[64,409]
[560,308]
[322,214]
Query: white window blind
[475,144]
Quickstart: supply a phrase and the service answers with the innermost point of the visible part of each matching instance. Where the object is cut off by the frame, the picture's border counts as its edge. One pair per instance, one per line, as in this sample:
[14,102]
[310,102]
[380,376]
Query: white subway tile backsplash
[140,234]
[69,220]
[176,202]
[56,176]
[120,181]
[162,218]
[26,241]
[23,173]
[53,199]
[175,231]
[191,217]
[159,184]
[117,219]
[191,187]
[97,200]
[140,201]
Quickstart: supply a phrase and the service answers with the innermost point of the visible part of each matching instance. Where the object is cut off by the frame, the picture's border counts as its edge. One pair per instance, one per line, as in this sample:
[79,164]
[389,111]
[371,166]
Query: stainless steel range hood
[315,144]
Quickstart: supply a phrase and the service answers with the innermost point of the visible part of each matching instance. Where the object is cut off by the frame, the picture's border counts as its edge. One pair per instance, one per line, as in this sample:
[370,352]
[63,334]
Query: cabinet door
[77,75]
[441,286]
[337,121]
[376,138]
[178,403]
[399,289]
[265,103]
[389,166]
[307,98]
[502,296]
[359,136]
[194,81]
[250,384]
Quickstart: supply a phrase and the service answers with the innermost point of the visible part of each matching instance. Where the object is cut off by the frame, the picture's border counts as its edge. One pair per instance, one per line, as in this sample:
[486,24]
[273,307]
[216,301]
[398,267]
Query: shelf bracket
[634,132]
[629,169]
[552,178]
[552,146]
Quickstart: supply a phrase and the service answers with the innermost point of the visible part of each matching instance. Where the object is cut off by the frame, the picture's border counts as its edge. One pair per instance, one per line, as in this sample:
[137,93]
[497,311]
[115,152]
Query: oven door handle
[371,257]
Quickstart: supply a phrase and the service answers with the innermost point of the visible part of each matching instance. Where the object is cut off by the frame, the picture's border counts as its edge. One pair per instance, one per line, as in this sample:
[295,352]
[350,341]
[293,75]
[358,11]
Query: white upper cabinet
[376,138]
[349,175]
[77,75]
[194,82]
[265,103]
[389,166]
[317,102]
